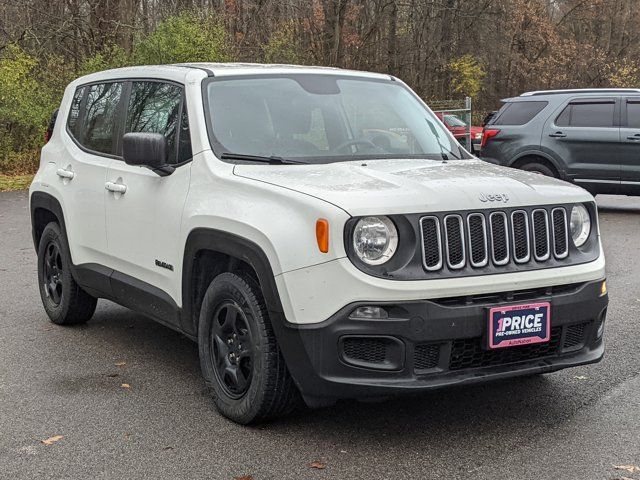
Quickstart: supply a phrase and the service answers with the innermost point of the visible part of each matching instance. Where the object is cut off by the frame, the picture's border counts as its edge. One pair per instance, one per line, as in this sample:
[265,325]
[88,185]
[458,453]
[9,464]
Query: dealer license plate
[514,325]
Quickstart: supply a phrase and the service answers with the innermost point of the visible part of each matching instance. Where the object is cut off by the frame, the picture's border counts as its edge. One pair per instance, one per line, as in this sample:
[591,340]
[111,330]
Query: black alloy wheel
[53,271]
[232,349]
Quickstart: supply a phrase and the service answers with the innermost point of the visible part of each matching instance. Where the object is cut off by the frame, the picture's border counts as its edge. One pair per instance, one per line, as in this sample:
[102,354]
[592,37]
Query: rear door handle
[62,173]
[558,135]
[115,187]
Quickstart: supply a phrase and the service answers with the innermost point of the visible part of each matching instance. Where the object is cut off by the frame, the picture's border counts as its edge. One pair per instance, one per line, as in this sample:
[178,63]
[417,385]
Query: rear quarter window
[518,113]
[73,121]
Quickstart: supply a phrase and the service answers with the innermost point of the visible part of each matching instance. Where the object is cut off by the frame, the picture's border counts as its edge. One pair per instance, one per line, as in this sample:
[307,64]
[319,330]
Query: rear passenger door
[90,147]
[630,146]
[585,134]
[143,223]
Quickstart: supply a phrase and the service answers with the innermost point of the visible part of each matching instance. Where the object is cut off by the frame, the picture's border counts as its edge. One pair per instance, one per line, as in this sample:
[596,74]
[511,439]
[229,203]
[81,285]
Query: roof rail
[580,90]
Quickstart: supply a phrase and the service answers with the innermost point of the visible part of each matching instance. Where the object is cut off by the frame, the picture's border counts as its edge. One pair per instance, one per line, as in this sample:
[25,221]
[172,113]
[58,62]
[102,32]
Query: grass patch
[15,182]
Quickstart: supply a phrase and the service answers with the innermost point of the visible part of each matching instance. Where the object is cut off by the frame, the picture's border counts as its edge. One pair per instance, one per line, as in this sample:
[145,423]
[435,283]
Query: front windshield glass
[322,118]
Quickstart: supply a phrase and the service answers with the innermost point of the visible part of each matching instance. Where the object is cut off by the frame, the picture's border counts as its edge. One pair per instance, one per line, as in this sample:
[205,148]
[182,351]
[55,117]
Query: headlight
[580,225]
[478,135]
[375,240]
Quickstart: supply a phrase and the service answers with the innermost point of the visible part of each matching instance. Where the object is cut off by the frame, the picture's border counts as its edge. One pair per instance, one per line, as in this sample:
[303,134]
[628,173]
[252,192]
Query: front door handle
[115,187]
[635,138]
[62,173]
[558,135]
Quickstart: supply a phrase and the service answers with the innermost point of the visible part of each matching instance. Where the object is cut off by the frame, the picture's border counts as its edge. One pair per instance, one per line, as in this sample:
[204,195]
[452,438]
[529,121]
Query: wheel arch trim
[232,245]
[45,201]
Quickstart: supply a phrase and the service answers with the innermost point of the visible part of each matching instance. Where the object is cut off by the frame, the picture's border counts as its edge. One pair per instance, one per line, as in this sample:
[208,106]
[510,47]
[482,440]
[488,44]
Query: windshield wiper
[443,151]
[273,159]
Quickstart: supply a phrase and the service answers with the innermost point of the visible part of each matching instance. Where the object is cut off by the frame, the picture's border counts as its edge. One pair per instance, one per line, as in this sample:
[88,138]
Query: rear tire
[241,362]
[63,299]
[539,168]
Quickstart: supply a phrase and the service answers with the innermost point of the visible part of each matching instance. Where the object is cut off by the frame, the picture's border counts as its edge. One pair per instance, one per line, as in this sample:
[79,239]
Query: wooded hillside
[488,49]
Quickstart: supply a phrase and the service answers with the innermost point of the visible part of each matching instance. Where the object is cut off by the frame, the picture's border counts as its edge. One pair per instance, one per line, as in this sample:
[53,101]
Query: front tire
[63,299]
[240,359]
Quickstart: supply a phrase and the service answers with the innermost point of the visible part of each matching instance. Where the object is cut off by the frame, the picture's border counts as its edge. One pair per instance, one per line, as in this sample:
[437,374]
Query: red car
[457,126]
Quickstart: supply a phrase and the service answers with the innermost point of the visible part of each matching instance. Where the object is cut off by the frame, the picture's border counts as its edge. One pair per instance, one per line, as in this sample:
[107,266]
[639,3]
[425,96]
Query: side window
[518,113]
[73,122]
[633,114]
[154,107]
[587,114]
[99,125]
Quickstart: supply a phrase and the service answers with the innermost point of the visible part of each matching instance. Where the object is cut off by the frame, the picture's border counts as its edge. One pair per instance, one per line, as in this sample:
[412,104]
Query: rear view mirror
[148,150]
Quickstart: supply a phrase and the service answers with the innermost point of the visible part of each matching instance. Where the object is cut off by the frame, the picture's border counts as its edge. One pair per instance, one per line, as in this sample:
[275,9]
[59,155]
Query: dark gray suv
[588,137]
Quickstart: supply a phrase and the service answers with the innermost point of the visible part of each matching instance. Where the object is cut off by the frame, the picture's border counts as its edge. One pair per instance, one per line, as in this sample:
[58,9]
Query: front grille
[574,335]
[560,236]
[499,238]
[478,239]
[520,232]
[426,356]
[454,240]
[432,243]
[472,352]
[469,352]
[540,235]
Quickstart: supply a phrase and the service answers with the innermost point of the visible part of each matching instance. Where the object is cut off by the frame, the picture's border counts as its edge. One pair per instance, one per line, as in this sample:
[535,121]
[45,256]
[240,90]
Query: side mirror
[148,150]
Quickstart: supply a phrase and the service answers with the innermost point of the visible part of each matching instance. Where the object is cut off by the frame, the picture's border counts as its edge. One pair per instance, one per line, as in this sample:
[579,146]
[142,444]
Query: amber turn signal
[603,288]
[322,234]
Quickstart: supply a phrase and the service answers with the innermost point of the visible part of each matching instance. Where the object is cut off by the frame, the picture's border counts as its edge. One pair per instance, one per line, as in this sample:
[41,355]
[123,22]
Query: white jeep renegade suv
[317,231]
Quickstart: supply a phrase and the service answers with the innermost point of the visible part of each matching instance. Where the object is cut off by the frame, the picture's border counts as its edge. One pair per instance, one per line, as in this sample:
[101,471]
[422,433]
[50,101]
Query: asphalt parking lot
[574,424]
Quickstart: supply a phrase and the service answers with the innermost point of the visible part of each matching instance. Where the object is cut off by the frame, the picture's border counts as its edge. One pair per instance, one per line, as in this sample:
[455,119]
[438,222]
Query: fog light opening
[369,313]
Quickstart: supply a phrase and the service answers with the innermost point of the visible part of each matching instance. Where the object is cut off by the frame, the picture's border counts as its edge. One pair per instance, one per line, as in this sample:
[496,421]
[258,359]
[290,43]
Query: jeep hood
[413,186]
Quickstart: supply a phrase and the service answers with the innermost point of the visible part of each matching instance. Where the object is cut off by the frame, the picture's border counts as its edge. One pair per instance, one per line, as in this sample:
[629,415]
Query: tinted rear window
[93,117]
[587,114]
[99,126]
[518,113]
[633,114]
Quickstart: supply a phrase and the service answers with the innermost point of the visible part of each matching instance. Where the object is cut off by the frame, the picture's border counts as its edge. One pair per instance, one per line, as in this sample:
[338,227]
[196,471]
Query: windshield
[322,118]
[454,121]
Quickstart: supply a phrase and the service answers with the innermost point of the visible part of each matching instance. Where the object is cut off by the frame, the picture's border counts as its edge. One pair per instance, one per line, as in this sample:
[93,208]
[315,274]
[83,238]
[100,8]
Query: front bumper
[436,343]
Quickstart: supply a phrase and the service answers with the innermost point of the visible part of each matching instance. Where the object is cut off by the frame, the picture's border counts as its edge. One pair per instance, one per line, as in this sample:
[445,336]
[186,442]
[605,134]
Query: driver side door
[144,209]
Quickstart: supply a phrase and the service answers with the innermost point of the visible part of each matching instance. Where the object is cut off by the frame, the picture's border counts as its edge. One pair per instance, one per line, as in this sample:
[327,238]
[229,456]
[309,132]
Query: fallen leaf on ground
[113,375]
[120,364]
[628,468]
[318,465]
[52,440]
[167,448]
[580,377]
[125,385]
[243,477]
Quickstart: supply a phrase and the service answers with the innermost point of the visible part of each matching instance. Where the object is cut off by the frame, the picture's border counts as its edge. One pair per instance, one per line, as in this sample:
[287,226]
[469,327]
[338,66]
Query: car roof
[581,91]
[183,72]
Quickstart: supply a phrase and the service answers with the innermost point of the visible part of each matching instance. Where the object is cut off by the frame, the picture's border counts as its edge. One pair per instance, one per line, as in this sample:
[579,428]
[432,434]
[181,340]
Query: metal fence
[455,107]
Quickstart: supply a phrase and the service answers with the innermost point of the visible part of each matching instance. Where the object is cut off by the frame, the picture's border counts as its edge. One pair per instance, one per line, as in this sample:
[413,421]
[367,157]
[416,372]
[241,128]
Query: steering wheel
[356,141]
